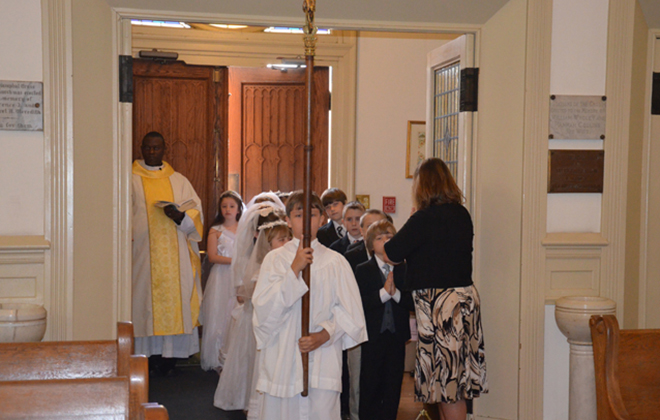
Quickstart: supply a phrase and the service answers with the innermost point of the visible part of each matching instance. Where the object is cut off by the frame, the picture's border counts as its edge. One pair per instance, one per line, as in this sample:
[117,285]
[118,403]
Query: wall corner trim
[58,157]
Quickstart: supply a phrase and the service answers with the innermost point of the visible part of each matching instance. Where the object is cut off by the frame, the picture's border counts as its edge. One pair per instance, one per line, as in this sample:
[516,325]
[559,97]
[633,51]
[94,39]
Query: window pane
[445,116]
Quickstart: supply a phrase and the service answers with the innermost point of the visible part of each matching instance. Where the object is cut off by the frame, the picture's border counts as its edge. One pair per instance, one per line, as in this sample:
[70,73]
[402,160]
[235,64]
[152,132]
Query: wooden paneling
[272,136]
[271,111]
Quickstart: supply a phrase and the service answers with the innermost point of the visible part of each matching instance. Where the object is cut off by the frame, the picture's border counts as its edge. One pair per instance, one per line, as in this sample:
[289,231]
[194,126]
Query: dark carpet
[187,393]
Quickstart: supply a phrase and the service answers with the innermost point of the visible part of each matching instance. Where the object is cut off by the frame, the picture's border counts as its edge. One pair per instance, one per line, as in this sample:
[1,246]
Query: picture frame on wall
[416,146]
[364,199]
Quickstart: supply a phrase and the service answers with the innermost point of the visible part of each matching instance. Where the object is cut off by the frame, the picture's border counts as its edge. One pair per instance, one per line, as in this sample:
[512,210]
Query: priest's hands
[313,341]
[304,257]
[174,214]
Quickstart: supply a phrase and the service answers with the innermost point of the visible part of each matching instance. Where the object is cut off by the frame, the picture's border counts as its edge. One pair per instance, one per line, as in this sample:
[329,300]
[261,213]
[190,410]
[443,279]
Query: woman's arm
[212,248]
[412,235]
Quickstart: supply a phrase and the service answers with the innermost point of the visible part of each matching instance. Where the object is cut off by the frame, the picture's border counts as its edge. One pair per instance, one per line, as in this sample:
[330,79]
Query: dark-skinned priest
[166,267]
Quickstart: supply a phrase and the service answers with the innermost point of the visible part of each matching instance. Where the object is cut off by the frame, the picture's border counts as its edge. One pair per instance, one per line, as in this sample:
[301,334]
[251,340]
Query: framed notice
[21,106]
[577,117]
[416,148]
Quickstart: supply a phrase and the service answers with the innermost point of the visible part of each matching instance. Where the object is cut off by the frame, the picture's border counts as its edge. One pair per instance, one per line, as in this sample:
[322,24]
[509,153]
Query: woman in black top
[436,243]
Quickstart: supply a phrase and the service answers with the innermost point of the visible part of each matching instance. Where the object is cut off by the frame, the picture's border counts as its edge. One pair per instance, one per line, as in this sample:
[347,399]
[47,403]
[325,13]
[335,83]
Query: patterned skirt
[450,363]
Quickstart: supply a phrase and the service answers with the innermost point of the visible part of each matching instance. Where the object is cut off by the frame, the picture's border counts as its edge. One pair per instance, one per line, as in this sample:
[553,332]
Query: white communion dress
[218,304]
[235,385]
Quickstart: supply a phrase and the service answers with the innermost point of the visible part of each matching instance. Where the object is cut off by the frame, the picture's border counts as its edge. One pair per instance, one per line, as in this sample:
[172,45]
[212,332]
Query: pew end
[154,411]
[627,370]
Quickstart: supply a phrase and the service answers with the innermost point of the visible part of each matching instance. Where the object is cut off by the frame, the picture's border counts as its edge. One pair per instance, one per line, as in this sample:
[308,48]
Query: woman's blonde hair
[434,184]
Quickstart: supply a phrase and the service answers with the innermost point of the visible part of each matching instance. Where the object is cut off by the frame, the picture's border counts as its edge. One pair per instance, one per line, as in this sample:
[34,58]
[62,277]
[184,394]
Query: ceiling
[342,12]
[350,13]
[651,9]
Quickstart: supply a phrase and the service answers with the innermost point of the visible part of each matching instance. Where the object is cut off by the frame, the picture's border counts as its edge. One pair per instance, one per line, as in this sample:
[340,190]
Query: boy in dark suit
[387,311]
[357,253]
[352,213]
[333,200]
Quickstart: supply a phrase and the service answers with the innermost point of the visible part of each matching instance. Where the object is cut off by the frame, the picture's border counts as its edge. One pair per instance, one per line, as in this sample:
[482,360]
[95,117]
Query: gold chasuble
[165,255]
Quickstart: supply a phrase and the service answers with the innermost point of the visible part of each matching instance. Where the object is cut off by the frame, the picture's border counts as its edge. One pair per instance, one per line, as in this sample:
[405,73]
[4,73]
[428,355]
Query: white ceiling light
[224,26]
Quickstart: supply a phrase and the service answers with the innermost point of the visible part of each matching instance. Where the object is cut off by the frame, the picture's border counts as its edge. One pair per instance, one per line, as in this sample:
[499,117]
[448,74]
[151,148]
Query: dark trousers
[381,375]
[345,384]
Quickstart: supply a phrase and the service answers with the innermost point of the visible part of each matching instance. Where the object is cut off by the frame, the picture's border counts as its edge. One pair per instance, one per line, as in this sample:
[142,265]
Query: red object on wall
[389,204]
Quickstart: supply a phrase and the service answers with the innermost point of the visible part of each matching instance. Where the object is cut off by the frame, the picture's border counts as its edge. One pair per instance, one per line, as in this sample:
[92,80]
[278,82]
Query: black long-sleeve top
[436,243]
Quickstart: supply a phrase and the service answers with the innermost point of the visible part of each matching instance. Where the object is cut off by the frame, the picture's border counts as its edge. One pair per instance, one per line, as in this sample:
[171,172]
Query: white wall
[556,360]
[579,50]
[579,53]
[21,152]
[391,90]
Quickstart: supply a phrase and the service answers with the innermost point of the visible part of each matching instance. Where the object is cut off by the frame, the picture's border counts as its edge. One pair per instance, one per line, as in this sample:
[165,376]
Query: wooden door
[188,106]
[266,113]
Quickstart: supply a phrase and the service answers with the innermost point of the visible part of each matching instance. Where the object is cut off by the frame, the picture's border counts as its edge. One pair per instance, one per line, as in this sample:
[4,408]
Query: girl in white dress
[219,301]
[235,386]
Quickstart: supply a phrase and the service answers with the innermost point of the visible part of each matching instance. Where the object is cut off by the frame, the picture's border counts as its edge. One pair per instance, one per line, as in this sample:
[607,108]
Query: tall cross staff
[309,6]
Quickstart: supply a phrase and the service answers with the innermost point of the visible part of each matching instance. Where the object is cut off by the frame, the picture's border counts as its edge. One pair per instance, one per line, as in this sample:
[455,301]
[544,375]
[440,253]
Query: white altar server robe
[335,306]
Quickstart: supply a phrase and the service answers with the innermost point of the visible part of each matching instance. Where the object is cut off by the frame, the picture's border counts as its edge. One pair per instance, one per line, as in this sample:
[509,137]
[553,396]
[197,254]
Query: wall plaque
[21,106]
[577,117]
[575,171]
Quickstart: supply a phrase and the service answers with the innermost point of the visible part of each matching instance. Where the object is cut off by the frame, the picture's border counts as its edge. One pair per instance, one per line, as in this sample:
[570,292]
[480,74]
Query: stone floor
[188,394]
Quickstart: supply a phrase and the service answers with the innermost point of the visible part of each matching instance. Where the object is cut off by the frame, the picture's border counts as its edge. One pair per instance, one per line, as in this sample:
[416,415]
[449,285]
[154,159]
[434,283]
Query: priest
[166,266]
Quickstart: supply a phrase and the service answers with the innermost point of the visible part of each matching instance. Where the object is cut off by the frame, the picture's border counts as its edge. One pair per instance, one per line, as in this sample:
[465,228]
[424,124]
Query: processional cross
[309,6]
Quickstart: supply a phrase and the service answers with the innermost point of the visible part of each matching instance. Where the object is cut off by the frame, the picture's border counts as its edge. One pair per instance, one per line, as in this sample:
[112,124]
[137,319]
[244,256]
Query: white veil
[245,242]
[261,248]
[268,195]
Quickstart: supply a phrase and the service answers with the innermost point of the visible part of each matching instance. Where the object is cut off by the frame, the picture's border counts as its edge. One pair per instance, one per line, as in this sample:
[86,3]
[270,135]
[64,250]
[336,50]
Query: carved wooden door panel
[188,106]
[267,109]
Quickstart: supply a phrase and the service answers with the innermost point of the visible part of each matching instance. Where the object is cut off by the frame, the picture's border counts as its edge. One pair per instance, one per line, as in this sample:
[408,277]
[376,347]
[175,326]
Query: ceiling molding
[256,20]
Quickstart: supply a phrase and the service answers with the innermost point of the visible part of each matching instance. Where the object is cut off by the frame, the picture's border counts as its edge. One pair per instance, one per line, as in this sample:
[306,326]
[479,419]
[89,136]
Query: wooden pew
[80,360]
[83,399]
[627,367]
[68,359]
